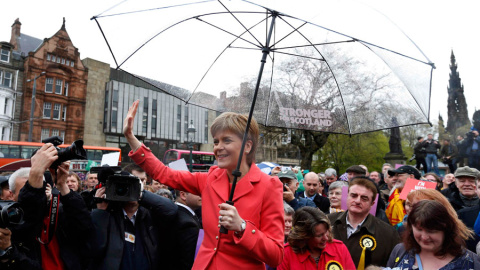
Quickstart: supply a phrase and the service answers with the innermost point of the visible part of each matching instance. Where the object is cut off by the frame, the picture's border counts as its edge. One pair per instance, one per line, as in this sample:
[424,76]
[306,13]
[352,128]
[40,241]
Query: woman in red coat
[311,245]
[255,222]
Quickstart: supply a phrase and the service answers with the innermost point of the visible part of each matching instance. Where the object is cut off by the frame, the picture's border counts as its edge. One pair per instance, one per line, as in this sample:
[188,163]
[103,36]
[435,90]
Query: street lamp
[32,108]
[191,137]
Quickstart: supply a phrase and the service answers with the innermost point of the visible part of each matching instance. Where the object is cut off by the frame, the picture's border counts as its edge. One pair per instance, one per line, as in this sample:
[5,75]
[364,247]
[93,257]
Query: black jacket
[431,147]
[456,201]
[419,150]
[469,215]
[74,224]
[154,214]
[321,202]
[184,235]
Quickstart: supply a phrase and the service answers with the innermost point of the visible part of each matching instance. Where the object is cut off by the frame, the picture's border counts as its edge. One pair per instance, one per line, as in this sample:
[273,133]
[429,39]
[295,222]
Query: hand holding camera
[5,238]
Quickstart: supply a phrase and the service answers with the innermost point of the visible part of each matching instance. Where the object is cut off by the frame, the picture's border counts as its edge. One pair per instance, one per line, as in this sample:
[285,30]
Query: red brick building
[60,93]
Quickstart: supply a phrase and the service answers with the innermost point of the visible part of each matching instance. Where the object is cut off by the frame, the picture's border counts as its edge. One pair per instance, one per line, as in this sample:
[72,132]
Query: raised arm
[128,127]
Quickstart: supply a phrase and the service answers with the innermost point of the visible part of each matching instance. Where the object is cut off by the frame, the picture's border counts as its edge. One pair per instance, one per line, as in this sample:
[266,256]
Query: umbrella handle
[223,229]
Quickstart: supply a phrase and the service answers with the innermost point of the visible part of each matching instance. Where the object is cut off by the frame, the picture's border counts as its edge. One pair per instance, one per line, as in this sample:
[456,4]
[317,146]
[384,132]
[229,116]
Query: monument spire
[457,106]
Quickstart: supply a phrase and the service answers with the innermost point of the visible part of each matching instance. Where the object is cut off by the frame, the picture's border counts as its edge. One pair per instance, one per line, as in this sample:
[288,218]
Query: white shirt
[351,229]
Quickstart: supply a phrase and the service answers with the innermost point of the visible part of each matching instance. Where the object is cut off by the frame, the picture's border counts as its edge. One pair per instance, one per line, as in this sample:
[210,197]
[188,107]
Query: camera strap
[50,226]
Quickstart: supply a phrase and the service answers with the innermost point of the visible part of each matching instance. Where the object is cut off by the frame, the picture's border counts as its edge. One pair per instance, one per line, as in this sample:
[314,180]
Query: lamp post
[191,137]
[32,108]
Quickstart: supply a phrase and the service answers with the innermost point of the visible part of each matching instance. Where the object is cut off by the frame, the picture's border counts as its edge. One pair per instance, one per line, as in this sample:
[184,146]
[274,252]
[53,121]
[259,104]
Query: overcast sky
[436,27]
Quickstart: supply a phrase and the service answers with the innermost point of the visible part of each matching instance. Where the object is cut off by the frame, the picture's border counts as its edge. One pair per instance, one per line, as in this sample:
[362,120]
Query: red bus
[15,155]
[202,161]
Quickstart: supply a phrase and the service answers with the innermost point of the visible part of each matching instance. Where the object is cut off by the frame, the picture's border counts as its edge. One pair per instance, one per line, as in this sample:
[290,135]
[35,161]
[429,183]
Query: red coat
[335,253]
[258,199]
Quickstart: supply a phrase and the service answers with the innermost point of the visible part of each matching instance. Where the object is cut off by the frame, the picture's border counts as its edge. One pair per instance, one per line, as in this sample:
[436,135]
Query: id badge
[130,237]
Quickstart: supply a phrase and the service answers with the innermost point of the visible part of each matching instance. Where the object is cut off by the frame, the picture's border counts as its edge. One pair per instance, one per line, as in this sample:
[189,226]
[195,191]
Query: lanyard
[419,262]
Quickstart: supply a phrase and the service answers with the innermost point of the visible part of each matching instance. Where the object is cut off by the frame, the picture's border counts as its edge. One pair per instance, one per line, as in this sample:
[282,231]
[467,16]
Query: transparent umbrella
[329,66]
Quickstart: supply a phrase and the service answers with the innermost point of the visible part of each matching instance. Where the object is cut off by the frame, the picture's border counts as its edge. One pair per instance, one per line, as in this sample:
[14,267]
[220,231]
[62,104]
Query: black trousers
[422,162]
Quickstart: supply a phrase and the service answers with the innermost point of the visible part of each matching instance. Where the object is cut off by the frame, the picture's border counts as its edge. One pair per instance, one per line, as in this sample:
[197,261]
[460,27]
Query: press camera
[74,151]
[119,185]
[11,214]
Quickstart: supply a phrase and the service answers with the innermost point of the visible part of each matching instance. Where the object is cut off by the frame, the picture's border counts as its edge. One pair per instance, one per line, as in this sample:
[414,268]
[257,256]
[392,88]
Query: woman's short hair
[79,182]
[434,215]
[304,222]
[337,184]
[432,195]
[236,123]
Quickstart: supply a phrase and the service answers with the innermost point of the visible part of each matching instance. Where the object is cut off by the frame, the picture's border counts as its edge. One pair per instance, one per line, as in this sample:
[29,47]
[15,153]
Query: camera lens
[15,215]
[122,189]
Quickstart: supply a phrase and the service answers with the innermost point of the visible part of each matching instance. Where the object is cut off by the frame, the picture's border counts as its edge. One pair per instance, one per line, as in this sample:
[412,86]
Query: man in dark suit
[313,189]
[186,230]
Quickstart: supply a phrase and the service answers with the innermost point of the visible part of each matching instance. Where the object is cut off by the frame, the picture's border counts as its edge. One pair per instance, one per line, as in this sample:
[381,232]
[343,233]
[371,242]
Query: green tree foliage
[342,151]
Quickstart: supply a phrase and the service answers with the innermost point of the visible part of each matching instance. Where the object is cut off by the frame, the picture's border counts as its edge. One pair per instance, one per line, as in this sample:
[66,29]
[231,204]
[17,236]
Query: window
[58,86]
[115,98]
[154,118]
[179,119]
[49,57]
[49,85]
[45,133]
[66,89]
[62,135]
[63,61]
[53,58]
[145,115]
[68,62]
[47,107]
[206,127]
[5,109]
[114,118]
[5,55]
[56,111]
[6,79]
[71,63]
[64,115]
[58,60]
[55,132]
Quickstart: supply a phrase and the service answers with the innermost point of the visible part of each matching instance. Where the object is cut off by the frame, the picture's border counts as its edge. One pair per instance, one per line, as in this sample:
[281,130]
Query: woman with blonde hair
[311,244]
[255,221]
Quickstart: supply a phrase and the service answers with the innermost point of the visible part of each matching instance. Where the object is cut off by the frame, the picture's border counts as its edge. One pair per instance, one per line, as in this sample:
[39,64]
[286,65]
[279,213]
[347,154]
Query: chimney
[223,95]
[15,34]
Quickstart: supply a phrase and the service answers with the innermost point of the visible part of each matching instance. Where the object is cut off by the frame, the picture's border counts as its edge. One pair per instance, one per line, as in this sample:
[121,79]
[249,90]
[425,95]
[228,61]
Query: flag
[395,210]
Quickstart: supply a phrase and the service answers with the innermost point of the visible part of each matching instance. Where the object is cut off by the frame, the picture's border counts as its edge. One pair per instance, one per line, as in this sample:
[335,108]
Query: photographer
[53,233]
[431,148]
[11,257]
[420,154]
[131,234]
[472,143]
[449,153]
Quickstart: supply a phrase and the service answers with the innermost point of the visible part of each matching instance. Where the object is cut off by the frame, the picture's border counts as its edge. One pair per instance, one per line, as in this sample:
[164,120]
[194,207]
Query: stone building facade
[11,77]
[60,93]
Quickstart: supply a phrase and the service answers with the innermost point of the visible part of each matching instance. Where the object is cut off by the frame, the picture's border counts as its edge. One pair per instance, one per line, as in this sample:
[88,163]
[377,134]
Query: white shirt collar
[186,207]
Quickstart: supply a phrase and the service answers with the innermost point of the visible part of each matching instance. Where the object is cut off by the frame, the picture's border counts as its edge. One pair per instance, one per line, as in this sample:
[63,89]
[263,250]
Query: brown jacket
[373,233]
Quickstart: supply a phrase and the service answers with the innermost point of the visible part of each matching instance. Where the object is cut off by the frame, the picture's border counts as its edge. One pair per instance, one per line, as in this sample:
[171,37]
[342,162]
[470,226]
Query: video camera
[74,151]
[11,214]
[119,185]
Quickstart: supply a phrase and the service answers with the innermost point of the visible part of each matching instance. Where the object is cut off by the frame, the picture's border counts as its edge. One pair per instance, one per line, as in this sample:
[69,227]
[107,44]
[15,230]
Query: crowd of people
[285,220]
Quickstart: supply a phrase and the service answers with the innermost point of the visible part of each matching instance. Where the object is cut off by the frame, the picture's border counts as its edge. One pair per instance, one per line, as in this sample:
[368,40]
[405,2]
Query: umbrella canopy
[325,69]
